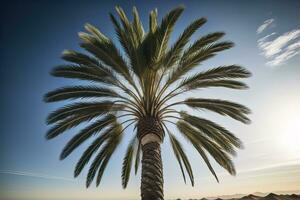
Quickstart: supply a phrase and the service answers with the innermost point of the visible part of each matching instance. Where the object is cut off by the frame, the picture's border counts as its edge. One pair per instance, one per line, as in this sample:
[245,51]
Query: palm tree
[137,87]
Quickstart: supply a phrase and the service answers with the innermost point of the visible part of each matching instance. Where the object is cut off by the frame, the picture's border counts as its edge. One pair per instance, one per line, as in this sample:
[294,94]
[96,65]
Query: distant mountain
[256,196]
[251,197]
[271,196]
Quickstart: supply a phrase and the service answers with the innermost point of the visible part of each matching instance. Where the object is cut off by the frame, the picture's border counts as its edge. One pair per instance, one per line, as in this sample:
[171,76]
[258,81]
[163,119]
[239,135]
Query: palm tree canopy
[141,81]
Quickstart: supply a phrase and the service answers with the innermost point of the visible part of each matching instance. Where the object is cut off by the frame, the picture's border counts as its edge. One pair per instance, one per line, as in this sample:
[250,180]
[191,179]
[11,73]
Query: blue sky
[266,34]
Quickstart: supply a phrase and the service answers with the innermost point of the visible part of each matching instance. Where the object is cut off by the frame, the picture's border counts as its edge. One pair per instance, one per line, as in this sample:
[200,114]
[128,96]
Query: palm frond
[181,157]
[92,149]
[81,109]
[173,55]
[79,58]
[231,109]
[81,72]
[188,62]
[96,33]
[128,28]
[69,123]
[86,133]
[105,153]
[127,162]
[130,40]
[75,92]
[202,42]
[137,25]
[199,148]
[218,134]
[218,77]
[231,84]
[210,125]
[153,21]
[104,164]
[164,30]
[106,52]
[137,157]
[125,21]
[212,148]
[112,146]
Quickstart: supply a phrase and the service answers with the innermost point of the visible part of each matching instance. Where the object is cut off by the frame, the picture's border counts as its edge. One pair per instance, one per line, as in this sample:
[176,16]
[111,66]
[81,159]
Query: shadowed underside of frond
[136,86]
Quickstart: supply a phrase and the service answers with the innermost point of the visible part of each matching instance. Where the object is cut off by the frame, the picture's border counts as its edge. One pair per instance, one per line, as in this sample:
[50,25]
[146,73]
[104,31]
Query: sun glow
[287,127]
[290,138]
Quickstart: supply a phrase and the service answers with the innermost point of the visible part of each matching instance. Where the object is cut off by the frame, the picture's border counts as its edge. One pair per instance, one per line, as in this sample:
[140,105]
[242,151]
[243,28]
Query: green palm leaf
[212,148]
[69,123]
[130,41]
[111,145]
[107,52]
[217,77]
[234,110]
[138,28]
[211,127]
[153,21]
[86,133]
[106,152]
[218,134]
[75,92]
[217,83]
[174,53]
[92,149]
[188,62]
[197,145]
[137,157]
[81,109]
[79,72]
[163,32]
[96,33]
[202,42]
[127,162]
[181,157]
[79,58]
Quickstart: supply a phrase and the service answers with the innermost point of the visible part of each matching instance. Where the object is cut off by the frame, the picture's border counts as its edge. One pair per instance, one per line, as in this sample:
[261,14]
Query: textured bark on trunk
[151,135]
[152,172]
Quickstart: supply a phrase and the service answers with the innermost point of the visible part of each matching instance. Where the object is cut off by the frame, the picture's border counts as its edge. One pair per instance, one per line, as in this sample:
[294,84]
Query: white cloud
[282,58]
[280,49]
[294,46]
[265,25]
[273,47]
[261,40]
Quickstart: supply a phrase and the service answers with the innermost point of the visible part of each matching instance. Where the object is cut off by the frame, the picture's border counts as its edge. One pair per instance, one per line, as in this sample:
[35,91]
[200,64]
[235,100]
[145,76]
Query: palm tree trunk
[152,172]
[151,135]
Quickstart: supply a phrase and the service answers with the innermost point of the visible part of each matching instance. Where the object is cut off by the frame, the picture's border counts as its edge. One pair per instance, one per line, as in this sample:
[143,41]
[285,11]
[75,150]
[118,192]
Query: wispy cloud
[294,46]
[270,48]
[34,175]
[295,164]
[282,58]
[292,163]
[279,50]
[265,25]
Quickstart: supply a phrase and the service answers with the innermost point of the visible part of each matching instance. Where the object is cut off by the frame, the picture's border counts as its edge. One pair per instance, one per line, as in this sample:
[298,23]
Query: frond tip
[234,110]
[181,157]
[127,162]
